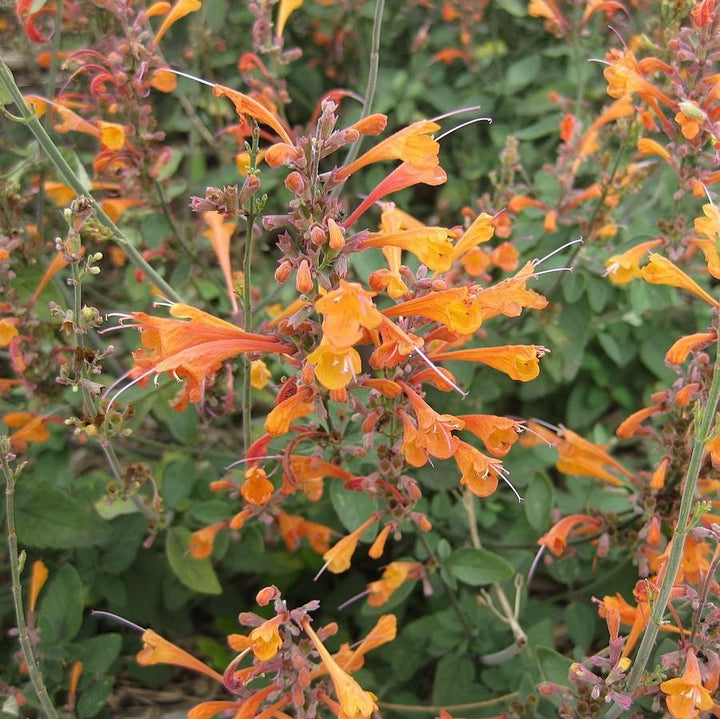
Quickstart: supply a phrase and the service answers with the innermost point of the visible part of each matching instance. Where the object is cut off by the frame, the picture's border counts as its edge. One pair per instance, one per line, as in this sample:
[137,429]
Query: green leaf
[581,622]
[521,73]
[554,666]
[539,499]
[48,518]
[478,566]
[453,674]
[99,653]
[177,481]
[353,508]
[198,574]
[92,701]
[61,606]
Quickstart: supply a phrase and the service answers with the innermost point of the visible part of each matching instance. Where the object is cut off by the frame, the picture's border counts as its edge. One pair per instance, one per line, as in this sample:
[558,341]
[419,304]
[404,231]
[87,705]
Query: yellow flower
[660,271]
[259,374]
[8,331]
[338,557]
[687,697]
[257,488]
[620,269]
[335,367]
[266,639]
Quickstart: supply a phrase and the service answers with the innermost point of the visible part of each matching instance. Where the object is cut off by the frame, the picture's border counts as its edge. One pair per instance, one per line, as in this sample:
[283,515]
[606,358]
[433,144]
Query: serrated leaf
[197,574]
[48,518]
[61,606]
[478,566]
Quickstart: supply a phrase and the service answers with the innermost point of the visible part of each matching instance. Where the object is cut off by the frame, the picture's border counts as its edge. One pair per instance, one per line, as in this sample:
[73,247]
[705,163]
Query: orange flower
[266,639]
[679,352]
[709,228]
[257,488]
[625,75]
[690,122]
[203,540]
[413,144]
[178,11]
[497,433]
[38,577]
[338,557]
[301,404]
[687,696]
[220,233]
[479,472]
[573,525]
[8,329]
[434,434]
[31,428]
[481,230]
[309,472]
[192,350]
[431,245]
[578,456]
[354,701]
[384,631]
[335,367]
[293,528]
[510,296]
[519,362]
[646,146]
[400,178]
[259,374]
[631,426]
[394,576]
[549,10]
[660,271]
[345,311]
[620,269]
[157,650]
[246,105]
[455,308]
[285,9]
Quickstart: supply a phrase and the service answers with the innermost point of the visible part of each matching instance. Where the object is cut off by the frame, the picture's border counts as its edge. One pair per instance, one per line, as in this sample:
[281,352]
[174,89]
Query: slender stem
[430,709]
[371,84]
[70,177]
[700,438]
[508,612]
[25,644]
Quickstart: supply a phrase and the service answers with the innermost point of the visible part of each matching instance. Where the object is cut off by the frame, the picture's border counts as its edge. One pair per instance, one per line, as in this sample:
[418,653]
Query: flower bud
[304,281]
[337,239]
[295,182]
[371,125]
[317,236]
[282,273]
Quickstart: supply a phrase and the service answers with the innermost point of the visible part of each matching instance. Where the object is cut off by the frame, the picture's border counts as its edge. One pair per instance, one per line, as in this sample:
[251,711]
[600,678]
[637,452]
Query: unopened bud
[304,281]
[438,285]
[371,125]
[266,595]
[317,236]
[277,154]
[295,182]
[282,273]
[337,239]
[249,188]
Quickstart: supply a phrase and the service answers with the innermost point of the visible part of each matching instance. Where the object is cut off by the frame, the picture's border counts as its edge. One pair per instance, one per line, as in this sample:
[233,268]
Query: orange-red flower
[497,433]
[660,271]
[203,540]
[573,525]
[394,576]
[345,311]
[38,577]
[678,353]
[431,245]
[456,308]
[191,350]
[246,105]
[301,404]
[178,11]
[31,427]
[257,488]
[220,233]
[630,427]
[157,650]
[686,695]
[480,473]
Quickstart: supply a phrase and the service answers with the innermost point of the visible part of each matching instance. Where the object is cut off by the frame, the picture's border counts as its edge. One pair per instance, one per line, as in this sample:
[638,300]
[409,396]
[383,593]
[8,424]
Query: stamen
[434,368]
[253,459]
[464,124]
[539,436]
[322,569]
[510,484]
[135,381]
[115,617]
[354,599]
[553,427]
[555,251]
[533,566]
[191,77]
[117,327]
[549,272]
[452,113]
[611,268]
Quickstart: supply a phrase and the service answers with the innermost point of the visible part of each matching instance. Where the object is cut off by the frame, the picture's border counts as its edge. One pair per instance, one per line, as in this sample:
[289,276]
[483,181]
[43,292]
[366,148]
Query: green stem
[24,638]
[371,84]
[700,438]
[7,81]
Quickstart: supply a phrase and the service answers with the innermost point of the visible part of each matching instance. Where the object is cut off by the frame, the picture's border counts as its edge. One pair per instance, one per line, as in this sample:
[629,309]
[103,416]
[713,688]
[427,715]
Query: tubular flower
[660,271]
[620,269]
[481,230]
[335,367]
[625,75]
[509,297]
[431,245]
[354,701]
[402,177]
[686,695]
[309,473]
[678,353]
[8,330]
[259,374]
[345,311]
[479,472]
[709,228]
[301,404]
[577,455]
[519,362]
[194,349]
[203,540]
[455,308]
[219,233]
[30,428]
[266,639]
[38,577]
[574,525]
[157,650]
[285,9]
[394,576]
[413,144]
[384,631]
[338,557]
[646,146]
[434,430]
[497,433]
[178,11]
[631,426]
[246,105]
[293,528]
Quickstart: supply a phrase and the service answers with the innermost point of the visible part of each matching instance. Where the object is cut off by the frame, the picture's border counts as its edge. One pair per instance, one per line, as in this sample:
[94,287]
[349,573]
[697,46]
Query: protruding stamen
[253,459]
[435,369]
[115,617]
[354,599]
[464,124]
[453,113]
[533,566]
[555,251]
[191,77]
